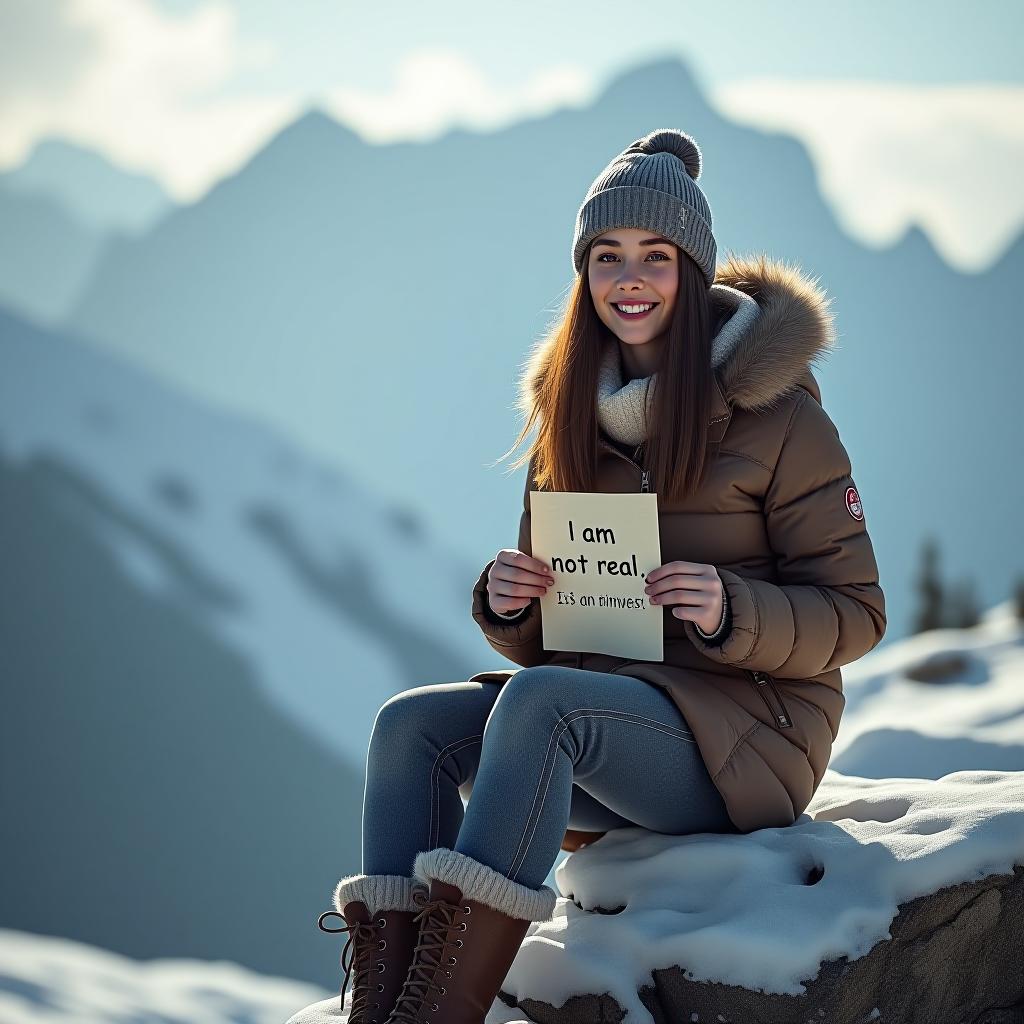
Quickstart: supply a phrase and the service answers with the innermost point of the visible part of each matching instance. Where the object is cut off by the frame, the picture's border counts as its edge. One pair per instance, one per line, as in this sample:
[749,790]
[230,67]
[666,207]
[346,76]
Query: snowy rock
[890,899]
[955,955]
[904,896]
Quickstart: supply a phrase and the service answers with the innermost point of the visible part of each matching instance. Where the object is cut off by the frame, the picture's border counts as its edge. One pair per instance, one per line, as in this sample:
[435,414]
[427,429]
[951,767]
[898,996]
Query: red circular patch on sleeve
[853,505]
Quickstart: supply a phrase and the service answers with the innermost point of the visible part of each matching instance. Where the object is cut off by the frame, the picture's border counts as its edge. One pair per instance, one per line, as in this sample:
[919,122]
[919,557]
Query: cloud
[141,89]
[889,155]
[141,84]
[436,90]
[41,53]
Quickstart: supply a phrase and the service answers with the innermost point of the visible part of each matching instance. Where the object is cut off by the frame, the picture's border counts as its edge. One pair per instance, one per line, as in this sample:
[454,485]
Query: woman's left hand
[696,590]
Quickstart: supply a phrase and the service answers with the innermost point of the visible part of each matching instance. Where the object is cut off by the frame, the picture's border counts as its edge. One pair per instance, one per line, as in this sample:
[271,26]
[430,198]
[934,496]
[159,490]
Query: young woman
[666,374]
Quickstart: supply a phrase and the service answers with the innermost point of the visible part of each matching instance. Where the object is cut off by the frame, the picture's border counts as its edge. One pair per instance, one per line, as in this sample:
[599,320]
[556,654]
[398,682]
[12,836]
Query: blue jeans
[552,748]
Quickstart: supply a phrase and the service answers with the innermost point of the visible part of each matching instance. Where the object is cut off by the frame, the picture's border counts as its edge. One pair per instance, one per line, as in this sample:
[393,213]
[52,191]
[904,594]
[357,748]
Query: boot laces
[362,937]
[436,918]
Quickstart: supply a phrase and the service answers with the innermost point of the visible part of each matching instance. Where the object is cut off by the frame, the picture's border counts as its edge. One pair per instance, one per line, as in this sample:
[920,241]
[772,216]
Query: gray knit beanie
[651,184]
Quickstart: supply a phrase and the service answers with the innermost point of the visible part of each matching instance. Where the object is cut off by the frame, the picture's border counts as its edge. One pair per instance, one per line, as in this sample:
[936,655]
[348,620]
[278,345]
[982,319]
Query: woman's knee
[442,711]
[542,688]
[404,713]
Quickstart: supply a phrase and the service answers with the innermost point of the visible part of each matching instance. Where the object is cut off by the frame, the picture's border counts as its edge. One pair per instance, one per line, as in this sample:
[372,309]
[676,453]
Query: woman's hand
[514,579]
[696,589]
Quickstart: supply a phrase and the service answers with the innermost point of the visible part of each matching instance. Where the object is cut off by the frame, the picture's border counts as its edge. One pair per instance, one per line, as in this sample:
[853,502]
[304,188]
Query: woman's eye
[600,259]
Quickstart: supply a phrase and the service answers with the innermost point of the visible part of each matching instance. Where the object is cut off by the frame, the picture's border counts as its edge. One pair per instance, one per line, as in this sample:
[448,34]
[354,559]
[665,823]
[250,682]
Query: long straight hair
[563,399]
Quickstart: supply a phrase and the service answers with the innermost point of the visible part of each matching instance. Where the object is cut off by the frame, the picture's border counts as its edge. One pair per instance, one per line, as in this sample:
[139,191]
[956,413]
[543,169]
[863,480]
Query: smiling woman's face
[631,266]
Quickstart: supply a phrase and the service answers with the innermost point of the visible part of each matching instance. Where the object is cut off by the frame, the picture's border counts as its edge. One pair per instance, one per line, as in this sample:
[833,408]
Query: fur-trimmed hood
[773,324]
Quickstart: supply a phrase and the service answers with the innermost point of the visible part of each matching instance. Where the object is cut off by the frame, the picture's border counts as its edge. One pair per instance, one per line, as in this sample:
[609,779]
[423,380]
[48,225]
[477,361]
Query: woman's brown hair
[559,389]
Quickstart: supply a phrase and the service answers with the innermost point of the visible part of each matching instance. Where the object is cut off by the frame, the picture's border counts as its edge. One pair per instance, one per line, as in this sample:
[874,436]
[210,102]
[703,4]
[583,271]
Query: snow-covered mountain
[317,583]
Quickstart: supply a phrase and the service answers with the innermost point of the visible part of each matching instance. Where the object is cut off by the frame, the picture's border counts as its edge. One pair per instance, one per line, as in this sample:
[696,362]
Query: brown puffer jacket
[780,518]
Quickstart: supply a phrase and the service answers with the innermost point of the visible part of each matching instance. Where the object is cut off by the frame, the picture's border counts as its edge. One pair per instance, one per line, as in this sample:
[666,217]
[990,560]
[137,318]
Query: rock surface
[956,956]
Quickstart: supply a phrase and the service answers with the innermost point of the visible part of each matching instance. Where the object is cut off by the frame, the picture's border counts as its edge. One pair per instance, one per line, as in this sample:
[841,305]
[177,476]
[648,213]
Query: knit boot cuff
[378,892]
[479,882]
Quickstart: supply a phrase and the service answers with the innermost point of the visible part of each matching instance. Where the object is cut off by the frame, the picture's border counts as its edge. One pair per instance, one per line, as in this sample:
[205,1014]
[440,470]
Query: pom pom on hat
[668,140]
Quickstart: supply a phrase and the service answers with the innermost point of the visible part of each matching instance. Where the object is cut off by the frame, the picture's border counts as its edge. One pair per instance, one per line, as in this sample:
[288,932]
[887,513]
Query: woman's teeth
[633,311]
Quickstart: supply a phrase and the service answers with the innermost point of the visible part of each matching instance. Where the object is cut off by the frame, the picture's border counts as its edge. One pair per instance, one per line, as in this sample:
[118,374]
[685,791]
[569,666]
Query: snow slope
[54,979]
[319,585]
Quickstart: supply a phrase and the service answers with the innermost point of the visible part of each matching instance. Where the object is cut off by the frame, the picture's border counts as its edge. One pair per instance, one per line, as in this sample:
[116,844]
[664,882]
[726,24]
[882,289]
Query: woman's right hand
[515,578]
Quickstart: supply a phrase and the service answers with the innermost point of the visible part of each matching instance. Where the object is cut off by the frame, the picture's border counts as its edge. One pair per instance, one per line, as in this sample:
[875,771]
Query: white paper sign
[600,548]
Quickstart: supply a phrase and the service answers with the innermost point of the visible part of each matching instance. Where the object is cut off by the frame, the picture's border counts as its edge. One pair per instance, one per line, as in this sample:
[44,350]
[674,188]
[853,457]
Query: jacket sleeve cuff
[500,629]
[717,638]
[512,616]
[737,644]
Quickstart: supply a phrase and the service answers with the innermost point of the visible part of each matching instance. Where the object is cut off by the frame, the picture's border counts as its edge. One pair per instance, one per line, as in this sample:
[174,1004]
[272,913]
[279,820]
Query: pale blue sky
[939,42]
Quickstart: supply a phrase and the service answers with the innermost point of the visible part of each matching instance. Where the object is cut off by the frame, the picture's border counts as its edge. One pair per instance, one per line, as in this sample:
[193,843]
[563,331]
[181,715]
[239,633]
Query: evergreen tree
[962,610]
[929,590]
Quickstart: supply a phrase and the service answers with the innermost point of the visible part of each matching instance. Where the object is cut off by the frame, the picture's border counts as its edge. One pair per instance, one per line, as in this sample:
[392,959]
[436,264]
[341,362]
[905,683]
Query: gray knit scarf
[623,409]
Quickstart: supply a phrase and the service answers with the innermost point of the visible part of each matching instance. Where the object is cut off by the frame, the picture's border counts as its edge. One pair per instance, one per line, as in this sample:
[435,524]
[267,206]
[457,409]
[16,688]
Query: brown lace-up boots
[472,922]
[382,921]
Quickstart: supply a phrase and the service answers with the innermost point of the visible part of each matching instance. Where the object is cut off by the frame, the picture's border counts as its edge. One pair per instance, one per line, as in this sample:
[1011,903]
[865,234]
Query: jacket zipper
[765,685]
[645,476]
[645,479]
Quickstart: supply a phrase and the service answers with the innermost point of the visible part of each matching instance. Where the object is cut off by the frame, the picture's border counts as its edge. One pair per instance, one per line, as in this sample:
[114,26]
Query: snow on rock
[764,911]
